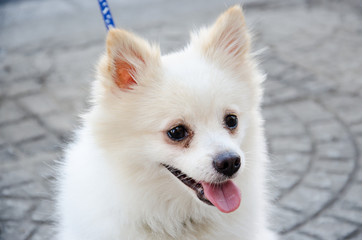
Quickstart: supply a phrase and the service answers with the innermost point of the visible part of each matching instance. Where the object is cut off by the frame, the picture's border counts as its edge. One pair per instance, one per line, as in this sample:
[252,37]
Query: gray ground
[313,102]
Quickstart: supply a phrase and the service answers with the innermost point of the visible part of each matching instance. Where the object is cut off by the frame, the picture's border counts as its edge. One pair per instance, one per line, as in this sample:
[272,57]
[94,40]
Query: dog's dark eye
[231,121]
[177,133]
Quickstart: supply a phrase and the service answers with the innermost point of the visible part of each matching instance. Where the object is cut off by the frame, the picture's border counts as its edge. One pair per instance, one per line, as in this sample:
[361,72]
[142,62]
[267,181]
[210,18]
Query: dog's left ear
[227,41]
[129,58]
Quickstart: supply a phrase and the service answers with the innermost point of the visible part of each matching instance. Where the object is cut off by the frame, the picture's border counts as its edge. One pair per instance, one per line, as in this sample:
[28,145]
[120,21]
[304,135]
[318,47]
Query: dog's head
[186,112]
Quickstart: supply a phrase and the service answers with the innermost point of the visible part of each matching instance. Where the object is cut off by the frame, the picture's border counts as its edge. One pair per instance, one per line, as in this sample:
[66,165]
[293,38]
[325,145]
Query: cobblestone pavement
[313,103]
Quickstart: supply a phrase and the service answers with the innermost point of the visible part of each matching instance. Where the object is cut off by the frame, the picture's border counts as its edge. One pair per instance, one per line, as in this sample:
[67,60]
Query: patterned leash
[106,12]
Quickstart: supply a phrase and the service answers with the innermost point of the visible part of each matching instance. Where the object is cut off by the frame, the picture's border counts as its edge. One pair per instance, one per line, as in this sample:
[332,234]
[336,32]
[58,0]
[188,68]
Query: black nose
[227,163]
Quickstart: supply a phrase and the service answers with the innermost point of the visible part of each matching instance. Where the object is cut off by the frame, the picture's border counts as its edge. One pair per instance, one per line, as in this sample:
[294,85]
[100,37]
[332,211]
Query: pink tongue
[226,196]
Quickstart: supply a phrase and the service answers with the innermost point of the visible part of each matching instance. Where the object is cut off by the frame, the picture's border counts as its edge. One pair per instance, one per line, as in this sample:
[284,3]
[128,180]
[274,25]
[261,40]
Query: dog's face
[186,112]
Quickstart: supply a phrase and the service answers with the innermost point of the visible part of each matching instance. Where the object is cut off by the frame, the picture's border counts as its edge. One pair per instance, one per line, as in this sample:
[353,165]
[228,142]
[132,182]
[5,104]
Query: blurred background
[310,49]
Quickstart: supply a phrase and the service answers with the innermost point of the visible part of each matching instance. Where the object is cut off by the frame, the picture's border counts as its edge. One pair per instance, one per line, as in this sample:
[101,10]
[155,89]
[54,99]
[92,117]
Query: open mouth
[225,196]
[190,182]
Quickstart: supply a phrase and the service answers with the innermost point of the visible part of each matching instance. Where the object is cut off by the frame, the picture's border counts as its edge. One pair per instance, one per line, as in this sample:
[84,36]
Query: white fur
[112,185]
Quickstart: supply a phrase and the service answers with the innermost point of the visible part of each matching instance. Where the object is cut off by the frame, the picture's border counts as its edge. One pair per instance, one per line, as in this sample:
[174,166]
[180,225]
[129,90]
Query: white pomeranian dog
[173,147]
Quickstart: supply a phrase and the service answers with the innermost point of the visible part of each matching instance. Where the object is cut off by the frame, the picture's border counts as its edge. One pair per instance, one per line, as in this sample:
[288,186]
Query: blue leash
[106,12]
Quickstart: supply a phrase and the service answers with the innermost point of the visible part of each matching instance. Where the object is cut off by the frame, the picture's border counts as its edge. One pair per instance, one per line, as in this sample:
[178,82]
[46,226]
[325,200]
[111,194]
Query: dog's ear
[129,57]
[227,41]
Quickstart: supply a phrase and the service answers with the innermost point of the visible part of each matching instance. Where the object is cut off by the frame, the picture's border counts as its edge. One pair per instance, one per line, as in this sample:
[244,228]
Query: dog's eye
[177,133]
[231,121]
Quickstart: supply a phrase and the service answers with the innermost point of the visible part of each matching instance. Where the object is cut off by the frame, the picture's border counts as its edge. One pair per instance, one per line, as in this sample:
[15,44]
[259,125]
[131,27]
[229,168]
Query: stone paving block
[291,162]
[2,89]
[71,101]
[33,189]
[60,122]
[39,104]
[345,212]
[17,67]
[349,108]
[334,166]
[274,66]
[357,129]
[49,176]
[288,94]
[9,112]
[284,129]
[327,131]
[44,231]
[291,144]
[353,196]
[275,193]
[8,154]
[309,111]
[32,13]
[44,144]
[316,86]
[306,200]
[359,171]
[24,87]
[42,164]
[14,209]
[331,228]
[285,219]
[285,180]
[321,179]
[41,158]
[48,169]
[43,212]
[359,175]
[341,150]
[272,86]
[295,75]
[2,142]
[359,142]
[357,236]
[278,113]
[16,230]
[305,37]
[321,32]
[26,129]
[13,177]
[76,67]
[297,236]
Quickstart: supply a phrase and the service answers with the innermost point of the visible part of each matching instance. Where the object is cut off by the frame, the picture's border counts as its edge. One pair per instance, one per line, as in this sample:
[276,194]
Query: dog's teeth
[200,191]
[188,182]
[196,186]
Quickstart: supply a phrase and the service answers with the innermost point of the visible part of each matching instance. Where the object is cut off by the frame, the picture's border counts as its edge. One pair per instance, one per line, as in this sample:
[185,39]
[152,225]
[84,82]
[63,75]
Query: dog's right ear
[129,57]
[227,41]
